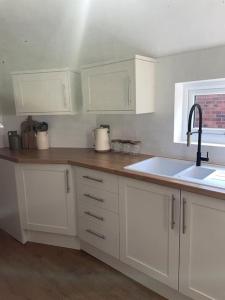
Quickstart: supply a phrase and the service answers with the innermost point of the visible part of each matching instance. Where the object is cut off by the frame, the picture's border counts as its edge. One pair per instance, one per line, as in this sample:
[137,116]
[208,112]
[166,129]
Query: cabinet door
[202,265]
[109,87]
[42,93]
[149,220]
[47,199]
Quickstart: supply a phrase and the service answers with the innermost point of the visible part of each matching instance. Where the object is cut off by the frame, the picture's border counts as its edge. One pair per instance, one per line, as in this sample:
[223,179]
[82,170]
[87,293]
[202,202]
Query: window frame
[185,93]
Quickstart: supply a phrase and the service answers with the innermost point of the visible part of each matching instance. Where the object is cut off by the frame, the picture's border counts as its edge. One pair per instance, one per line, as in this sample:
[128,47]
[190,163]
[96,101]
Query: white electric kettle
[102,140]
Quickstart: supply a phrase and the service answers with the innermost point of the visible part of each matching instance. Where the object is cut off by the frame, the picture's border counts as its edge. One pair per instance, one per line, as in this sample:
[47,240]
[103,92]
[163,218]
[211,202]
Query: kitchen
[131,222]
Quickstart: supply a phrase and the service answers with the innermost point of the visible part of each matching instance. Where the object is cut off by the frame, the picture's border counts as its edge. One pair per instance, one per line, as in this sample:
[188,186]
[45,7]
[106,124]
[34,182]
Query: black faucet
[189,133]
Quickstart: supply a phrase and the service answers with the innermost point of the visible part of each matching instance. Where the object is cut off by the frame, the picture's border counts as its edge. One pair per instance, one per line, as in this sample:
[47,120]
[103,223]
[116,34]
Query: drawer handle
[92,178]
[101,236]
[94,216]
[94,198]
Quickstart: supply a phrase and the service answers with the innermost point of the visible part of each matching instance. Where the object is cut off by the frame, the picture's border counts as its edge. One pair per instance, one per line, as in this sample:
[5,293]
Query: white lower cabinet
[99,228]
[98,210]
[47,198]
[149,229]
[202,247]
[175,237]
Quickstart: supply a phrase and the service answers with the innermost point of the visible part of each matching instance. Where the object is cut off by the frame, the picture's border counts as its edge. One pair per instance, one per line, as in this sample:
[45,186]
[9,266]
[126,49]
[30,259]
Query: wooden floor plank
[41,272]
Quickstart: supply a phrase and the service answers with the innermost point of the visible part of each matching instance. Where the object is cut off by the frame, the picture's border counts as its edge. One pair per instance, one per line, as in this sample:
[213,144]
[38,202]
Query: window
[213,110]
[210,94]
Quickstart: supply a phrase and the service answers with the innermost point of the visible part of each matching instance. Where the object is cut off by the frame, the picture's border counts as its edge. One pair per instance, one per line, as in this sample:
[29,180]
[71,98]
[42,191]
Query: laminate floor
[41,272]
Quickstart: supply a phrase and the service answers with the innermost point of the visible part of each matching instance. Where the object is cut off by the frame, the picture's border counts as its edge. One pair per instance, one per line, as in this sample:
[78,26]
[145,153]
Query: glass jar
[126,146]
[116,145]
[135,147]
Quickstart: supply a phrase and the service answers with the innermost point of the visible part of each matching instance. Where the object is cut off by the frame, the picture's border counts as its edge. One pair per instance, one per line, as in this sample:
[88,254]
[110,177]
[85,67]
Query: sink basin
[196,173]
[211,175]
[160,166]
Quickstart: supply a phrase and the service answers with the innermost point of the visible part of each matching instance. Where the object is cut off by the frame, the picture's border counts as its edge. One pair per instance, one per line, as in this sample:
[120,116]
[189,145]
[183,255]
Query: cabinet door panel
[42,92]
[109,87]
[148,242]
[47,204]
[202,273]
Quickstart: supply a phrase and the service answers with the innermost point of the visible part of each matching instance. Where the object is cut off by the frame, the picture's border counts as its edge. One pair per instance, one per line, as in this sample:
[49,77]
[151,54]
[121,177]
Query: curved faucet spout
[189,133]
[196,105]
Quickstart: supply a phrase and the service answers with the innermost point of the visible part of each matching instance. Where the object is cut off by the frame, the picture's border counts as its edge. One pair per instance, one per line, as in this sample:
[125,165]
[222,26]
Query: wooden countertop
[107,162]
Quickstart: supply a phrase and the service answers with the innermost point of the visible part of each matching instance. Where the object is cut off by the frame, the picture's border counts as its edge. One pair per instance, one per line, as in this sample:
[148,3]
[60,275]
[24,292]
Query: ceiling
[55,33]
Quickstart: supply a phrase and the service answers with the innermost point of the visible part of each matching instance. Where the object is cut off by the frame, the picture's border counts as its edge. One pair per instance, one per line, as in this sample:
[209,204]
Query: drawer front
[100,229]
[98,179]
[93,197]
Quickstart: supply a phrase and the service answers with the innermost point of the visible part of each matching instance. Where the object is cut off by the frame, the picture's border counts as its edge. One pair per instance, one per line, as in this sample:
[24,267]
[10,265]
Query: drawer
[98,197]
[97,179]
[100,229]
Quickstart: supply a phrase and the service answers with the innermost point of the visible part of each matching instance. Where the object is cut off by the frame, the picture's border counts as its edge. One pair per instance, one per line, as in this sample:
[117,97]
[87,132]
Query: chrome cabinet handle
[64,94]
[184,216]
[173,223]
[94,216]
[92,178]
[94,198]
[129,100]
[101,236]
[67,182]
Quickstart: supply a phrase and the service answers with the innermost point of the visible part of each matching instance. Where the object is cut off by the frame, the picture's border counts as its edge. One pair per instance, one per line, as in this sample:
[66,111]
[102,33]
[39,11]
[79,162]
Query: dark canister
[14,140]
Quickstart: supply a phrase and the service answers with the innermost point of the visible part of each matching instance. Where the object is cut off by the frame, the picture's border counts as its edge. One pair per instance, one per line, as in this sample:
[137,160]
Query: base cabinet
[202,247]
[10,219]
[98,222]
[47,198]
[172,236]
[149,233]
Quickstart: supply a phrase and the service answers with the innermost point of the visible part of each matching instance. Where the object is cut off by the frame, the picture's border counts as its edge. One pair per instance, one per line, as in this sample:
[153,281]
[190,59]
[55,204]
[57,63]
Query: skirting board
[143,279]
[53,239]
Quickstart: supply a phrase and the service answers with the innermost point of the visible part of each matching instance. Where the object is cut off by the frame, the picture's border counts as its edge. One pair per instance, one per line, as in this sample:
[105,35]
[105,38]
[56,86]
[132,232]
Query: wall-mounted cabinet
[47,92]
[119,87]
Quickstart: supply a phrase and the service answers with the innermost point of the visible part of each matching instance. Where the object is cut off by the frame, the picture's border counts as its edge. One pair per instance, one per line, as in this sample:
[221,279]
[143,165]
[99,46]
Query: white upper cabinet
[202,247]
[47,92]
[119,87]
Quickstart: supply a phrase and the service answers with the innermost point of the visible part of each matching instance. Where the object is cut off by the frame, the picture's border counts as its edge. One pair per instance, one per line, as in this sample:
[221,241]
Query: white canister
[42,140]
[102,140]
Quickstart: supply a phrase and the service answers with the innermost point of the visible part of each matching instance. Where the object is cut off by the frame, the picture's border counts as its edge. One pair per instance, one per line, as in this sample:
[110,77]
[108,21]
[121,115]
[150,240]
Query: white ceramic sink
[182,170]
[160,166]
[196,173]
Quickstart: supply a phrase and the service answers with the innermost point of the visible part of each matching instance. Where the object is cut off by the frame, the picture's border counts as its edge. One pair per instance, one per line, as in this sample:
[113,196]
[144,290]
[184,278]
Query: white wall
[156,130]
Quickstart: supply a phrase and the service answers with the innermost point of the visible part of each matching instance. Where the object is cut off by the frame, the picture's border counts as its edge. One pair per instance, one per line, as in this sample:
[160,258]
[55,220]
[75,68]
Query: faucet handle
[205,158]
[188,139]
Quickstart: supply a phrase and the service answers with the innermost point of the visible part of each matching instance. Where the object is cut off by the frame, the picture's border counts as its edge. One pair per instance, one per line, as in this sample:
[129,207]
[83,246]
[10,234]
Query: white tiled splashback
[64,131]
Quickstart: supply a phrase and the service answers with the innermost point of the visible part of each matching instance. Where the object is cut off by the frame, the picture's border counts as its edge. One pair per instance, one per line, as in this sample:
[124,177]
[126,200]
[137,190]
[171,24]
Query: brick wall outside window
[213,109]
